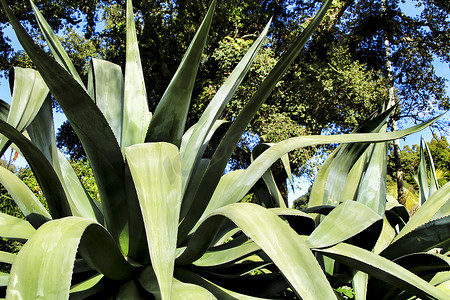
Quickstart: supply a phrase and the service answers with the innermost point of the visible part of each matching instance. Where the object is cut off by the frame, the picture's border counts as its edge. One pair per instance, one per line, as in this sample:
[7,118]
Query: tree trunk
[397,154]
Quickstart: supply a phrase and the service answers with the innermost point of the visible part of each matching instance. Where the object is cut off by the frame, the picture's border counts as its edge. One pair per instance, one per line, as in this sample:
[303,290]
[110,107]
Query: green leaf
[51,251]
[344,222]
[30,206]
[28,95]
[258,167]
[426,212]
[42,134]
[45,174]
[218,291]
[15,228]
[335,181]
[55,45]
[4,110]
[7,258]
[177,97]
[269,232]
[372,188]
[226,256]
[90,125]
[428,236]
[383,269]
[136,113]
[106,87]
[212,112]
[156,171]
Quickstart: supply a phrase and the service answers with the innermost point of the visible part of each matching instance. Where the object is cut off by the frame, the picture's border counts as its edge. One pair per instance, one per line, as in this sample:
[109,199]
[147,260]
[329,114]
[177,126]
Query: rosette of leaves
[169,224]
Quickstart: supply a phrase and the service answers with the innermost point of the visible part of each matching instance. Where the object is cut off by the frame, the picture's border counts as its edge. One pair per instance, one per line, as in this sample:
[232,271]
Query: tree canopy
[339,79]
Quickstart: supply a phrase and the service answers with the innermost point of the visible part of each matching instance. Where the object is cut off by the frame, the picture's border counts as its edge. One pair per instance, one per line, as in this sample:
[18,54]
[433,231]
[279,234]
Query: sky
[300,185]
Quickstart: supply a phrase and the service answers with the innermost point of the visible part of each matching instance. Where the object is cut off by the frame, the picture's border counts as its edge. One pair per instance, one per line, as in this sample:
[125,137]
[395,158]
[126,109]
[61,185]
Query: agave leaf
[55,45]
[226,256]
[90,125]
[434,185]
[7,258]
[218,291]
[330,185]
[385,238]
[129,290]
[193,148]
[372,188]
[52,250]
[260,285]
[423,238]
[136,116]
[45,174]
[258,167]
[4,110]
[106,88]
[30,206]
[41,132]
[344,222]
[87,284]
[426,212]
[15,228]
[177,97]
[267,230]
[156,171]
[28,95]
[423,264]
[180,290]
[4,279]
[426,186]
[383,269]
[359,283]
[226,183]
[268,176]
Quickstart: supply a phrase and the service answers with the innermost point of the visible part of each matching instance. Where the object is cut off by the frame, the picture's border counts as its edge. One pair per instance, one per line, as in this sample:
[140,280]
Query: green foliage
[169,224]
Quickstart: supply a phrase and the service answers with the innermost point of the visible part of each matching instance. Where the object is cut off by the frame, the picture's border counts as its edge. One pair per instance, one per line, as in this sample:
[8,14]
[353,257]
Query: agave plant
[170,224]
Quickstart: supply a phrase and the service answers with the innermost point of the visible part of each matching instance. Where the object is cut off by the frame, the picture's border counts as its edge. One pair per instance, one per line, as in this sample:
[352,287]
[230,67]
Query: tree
[338,79]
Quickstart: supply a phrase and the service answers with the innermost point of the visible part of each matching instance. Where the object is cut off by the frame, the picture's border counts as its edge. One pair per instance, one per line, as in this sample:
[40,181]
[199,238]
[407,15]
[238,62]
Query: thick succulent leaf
[383,269]
[301,222]
[385,238]
[177,97]
[106,88]
[156,171]
[226,183]
[233,135]
[269,232]
[15,228]
[30,206]
[424,263]
[359,283]
[52,251]
[259,285]
[87,284]
[193,187]
[268,176]
[426,212]
[45,174]
[136,112]
[129,290]
[372,188]
[428,236]
[90,125]
[218,291]
[55,45]
[215,107]
[344,222]
[226,256]
[180,290]
[41,132]
[258,167]
[329,185]
[4,110]
[7,258]
[29,93]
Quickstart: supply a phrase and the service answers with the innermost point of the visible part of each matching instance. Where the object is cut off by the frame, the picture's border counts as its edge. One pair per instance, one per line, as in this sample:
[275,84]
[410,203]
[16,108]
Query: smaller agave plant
[170,224]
